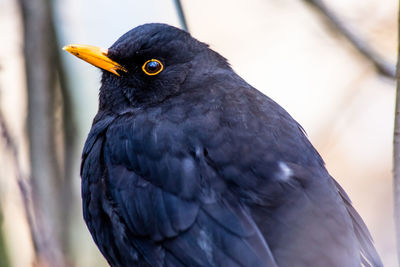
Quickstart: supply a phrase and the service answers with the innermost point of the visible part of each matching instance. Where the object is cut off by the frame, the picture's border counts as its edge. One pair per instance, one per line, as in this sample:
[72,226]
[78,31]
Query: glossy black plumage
[194,167]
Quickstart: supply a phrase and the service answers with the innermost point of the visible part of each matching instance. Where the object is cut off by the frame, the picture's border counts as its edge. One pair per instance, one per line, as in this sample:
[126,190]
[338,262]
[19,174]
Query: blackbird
[186,164]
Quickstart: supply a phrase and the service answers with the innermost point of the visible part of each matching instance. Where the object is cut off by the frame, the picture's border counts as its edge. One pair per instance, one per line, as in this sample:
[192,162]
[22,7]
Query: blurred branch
[396,150]
[11,146]
[381,65]
[50,185]
[181,15]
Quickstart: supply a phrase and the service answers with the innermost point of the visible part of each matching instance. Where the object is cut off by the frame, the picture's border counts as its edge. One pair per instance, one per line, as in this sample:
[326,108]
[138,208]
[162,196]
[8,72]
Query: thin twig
[181,15]
[43,245]
[21,180]
[396,152]
[381,65]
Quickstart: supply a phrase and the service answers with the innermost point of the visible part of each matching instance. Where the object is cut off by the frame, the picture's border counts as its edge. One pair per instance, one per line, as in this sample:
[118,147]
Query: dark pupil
[153,66]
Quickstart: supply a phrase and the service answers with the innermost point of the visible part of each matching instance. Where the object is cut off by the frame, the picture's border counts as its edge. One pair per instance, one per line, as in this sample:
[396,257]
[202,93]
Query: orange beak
[96,56]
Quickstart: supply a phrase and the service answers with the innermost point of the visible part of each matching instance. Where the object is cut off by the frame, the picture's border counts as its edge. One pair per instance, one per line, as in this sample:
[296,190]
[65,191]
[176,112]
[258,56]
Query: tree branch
[42,255]
[45,153]
[181,15]
[4,258]
[381,65]
[396,151]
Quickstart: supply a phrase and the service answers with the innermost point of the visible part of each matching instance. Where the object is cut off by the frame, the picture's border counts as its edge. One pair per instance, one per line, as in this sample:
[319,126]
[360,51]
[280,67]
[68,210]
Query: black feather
[194,167]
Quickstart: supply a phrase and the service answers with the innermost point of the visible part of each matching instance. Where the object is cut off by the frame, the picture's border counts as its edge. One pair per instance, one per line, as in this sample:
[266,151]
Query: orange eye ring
[152,67]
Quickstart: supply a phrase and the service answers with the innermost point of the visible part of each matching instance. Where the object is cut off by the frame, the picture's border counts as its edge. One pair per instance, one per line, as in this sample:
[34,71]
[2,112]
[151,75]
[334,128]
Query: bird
[186,164]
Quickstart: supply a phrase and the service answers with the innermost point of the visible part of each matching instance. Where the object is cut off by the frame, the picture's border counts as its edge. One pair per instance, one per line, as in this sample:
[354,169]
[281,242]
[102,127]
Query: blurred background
[288,49]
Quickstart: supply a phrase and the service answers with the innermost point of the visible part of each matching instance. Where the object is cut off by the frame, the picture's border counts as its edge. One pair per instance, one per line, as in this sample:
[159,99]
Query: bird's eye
[152,67]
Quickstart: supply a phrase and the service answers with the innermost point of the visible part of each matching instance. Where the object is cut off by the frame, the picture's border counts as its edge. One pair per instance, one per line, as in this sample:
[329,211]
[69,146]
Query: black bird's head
[149,64]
